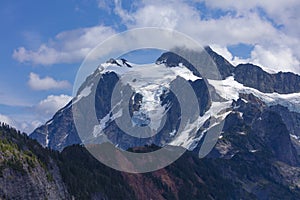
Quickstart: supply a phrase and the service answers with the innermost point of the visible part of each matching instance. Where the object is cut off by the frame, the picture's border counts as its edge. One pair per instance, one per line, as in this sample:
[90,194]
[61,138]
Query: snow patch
[184,72]
[295,137]
[49,122]
[47,139]
[84,93]
[187,137]
[172,134]
[97,131]
[229,89]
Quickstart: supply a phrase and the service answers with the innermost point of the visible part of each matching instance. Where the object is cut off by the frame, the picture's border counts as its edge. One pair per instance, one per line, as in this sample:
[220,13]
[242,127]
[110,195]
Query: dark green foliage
[189,169]
[50,177]
[190,177]
[85,176]
[14,164]
[20,150]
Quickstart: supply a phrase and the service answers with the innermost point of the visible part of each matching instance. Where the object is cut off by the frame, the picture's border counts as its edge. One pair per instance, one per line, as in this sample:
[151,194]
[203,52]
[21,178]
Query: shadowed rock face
[291,119]
[253,76]
[275,135]
[225,68]
[62,122]
[262,122]
[171,59]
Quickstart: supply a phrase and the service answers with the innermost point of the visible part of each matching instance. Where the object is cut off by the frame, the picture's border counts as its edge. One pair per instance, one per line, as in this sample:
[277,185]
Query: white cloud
[37,83]
[275,60]
[67,47]
[185,18]
[276,49]
[47,107]
[22,125]
[275,52]
[234,60]
[28,126]
[281,11]
[37,115]
[222,51]
[7,120]
[251,22]
[105,5]
[270,60]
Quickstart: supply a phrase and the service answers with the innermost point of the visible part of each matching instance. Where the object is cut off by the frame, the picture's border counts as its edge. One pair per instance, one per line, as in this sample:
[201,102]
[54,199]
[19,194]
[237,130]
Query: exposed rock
[23,174]
[253,76]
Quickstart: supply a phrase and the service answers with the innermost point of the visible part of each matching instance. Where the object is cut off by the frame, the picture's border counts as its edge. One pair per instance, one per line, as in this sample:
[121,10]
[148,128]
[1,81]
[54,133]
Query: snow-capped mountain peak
[153,104]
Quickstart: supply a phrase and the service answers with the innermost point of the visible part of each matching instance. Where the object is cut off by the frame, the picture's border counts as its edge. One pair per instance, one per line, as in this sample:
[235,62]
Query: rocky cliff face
[25,174]
[256,153]
[225,68]
[290,118]
[253,76]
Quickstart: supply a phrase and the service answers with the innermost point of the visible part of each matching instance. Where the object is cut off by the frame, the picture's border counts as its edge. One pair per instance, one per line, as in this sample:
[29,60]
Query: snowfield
[229,89]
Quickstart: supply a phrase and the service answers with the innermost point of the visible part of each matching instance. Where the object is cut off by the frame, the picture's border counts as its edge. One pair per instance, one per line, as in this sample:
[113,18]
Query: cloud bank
[271,27]
[67,47]
[47,107]
[47,83]
[38,114]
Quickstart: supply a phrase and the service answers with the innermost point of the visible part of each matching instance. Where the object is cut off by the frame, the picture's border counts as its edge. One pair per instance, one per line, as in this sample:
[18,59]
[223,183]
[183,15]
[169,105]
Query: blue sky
[44,42]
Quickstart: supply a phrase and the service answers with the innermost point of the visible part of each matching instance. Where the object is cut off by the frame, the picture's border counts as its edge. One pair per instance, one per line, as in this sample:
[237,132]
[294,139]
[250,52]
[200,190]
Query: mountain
[60,131]
[256,155]
[102,83]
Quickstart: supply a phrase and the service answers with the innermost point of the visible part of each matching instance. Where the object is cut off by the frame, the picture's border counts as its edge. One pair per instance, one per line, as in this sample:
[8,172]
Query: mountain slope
[27,171]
